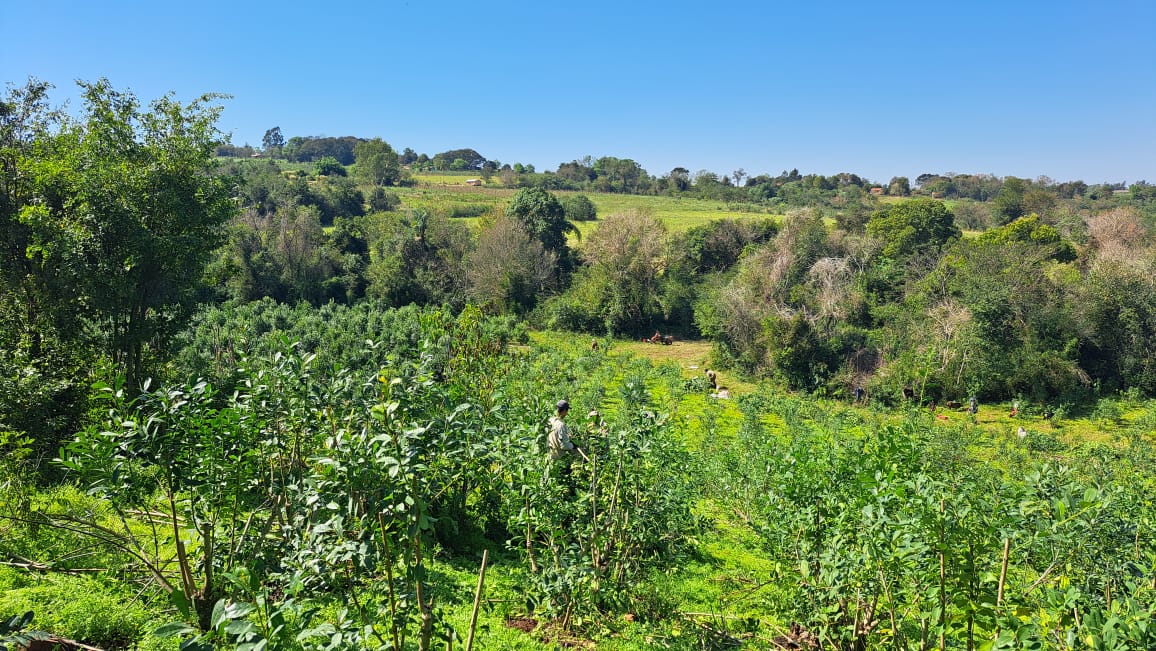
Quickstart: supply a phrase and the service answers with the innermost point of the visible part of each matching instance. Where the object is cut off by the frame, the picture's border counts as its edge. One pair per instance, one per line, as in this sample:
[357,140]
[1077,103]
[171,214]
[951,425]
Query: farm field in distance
[447,192]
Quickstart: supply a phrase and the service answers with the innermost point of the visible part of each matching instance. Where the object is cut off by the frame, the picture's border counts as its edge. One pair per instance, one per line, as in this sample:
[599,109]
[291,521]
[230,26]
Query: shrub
[328,166]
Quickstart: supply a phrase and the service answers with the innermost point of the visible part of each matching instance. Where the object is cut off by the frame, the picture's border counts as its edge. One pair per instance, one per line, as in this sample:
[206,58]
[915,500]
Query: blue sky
[1064,89]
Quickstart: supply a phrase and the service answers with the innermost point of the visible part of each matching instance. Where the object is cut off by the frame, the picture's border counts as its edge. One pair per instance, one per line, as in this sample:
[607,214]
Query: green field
[781,506]
[455,199]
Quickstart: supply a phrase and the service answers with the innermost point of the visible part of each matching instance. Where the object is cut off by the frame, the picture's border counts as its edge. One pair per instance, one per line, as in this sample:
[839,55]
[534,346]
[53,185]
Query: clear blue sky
[1060,88]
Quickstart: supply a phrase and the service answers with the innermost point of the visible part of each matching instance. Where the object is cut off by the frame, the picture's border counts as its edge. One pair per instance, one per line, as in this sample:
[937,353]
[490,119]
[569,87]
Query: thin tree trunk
[477,601]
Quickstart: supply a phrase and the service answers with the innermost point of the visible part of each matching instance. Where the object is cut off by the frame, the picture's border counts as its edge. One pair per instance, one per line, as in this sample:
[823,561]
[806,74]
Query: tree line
[1009,197]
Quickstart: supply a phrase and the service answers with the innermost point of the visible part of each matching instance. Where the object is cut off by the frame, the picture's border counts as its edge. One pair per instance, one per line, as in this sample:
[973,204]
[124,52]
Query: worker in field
[712,379]
[563,452]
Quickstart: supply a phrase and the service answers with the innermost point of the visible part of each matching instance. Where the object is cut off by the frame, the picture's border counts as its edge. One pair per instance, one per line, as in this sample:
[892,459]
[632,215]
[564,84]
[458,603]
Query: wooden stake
[1003,571]
[477,601]
[942,580]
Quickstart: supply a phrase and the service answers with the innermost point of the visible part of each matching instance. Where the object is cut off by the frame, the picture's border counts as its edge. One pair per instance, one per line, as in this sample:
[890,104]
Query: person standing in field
[561,447]
[563,452]
[712,378]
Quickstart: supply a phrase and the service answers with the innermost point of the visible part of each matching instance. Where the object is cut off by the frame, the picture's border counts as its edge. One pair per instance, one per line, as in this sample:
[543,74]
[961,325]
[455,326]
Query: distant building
[474,182]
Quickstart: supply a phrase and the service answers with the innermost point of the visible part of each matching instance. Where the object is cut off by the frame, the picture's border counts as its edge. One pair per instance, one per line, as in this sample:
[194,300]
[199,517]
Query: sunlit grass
[441,193]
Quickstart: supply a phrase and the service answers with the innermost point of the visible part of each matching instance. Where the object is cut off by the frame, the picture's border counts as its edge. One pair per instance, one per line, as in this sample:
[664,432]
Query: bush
[328,166]
[579,208]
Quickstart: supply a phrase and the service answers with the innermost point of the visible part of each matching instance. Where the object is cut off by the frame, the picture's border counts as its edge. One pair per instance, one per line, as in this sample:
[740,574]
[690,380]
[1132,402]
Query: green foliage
[42,402]
[142,188]
[577,310]
[1008,205]
[328,166]
[624,258]
[108,222]
[305,149]
[579,208]
[287,255]
[886,536]
[805,357]
[417,258]
[273,140]
[1117,310]
[589,532]
[1030,230]
[377,163]
[78,608]
[718,245]
[458,159]
[912,226]
[543,217]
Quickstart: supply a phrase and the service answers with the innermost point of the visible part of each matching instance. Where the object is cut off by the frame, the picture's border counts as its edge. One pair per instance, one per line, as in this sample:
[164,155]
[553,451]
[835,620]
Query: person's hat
[562,404]
[593,414]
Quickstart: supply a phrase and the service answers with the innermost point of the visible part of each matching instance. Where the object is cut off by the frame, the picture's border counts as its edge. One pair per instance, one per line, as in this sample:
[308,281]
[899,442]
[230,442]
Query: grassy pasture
[447,194]
[444,179]
[1101,426]
[679,214]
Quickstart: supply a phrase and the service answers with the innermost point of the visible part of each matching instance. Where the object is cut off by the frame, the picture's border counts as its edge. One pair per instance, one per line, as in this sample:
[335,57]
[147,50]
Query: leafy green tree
[108,221]
[341,198]
[377,163]
[470,160]
[38,273]
[680,179]
[417,258]
[273,141]
[140,186]
[768,282]
[899,186]
[801,354]
[910,227]
[309,148]
[544,218]
[328,166]
[1032,230]
[46,350]
[718,245]
[625,256]
[1116,305]
[577,172]
[620,174]
[287,256]
[1008,205]
[997,314]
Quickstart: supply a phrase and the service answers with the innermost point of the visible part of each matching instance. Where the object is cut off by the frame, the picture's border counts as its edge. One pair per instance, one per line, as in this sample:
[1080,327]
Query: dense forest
[253,380]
